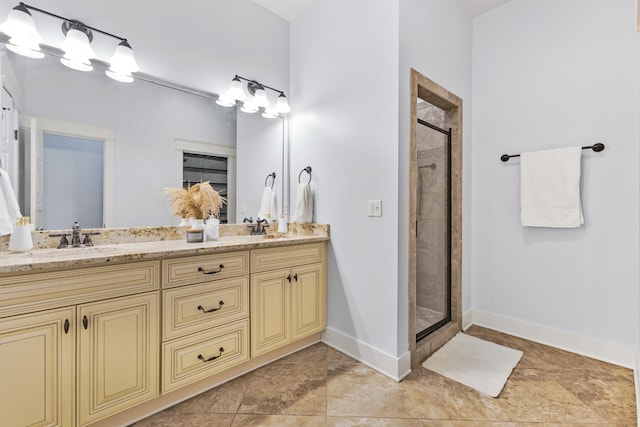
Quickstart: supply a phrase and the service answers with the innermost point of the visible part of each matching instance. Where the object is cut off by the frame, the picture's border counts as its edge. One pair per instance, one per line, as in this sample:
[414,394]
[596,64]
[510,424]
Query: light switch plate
[374,208]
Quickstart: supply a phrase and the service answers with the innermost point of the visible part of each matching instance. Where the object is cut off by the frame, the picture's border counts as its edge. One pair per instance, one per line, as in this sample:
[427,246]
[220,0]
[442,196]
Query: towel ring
[271,175]
[307,170]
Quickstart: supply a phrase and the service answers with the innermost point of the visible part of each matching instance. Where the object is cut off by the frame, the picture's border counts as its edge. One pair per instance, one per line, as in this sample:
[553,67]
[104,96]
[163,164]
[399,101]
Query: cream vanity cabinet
[288,295]
[205,327]
[87,348]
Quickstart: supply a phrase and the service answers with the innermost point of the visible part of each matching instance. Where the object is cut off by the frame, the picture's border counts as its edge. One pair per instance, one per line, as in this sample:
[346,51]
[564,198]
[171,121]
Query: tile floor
[322,387]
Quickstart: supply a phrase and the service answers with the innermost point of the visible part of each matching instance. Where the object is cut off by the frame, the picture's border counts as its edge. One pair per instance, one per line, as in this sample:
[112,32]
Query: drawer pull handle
[212,271]
[66,326]
[221,303]
[85,322]
[201,357]
[289,278]
[295,276]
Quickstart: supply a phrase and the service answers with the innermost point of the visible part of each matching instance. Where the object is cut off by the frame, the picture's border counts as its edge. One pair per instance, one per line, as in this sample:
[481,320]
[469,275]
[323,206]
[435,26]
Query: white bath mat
[477,363]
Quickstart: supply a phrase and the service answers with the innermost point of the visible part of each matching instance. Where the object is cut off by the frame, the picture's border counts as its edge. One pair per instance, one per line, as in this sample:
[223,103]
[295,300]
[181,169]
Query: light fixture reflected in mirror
[122,63]
[257,99]
[25,40]
[77,46]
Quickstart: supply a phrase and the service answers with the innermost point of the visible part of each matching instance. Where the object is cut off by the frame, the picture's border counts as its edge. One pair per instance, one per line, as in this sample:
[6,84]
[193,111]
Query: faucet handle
[63,240]
[87,238]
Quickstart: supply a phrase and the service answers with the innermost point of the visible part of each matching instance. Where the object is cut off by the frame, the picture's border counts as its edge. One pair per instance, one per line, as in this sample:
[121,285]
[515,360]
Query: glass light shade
[77,50]
[282,105]
[236,91]
[226,101]
[249,106]
[270,113]
[123,61]
[20,25]
[260,98]
[25,48]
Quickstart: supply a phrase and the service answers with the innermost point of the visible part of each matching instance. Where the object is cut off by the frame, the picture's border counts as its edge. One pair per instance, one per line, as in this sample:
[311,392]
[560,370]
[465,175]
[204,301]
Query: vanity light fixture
[25,40]
[256,99]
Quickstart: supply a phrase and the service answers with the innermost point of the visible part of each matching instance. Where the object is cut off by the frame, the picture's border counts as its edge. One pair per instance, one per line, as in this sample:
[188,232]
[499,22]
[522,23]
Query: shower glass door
[433,221]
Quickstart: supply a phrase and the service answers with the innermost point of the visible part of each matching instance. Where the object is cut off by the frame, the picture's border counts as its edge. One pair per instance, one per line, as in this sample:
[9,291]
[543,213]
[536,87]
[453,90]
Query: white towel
[550,188]
[9,209]
[268,205]
[303,209]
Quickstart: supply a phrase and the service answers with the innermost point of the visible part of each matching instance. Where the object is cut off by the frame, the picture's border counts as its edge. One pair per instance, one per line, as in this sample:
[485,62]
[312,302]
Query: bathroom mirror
[140,134]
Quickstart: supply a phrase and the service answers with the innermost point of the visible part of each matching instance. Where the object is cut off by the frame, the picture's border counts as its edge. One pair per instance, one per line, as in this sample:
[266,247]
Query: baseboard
[607,351]
[467,319]
[395,368]
[636,375]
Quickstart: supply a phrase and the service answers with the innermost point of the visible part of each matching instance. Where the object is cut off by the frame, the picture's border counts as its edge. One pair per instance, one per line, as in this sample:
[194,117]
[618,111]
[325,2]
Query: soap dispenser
[20,240]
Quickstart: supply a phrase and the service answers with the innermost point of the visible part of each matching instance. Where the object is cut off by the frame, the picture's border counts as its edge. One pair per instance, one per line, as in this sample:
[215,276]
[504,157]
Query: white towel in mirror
[550,188]
[268,205]
[303,208]
[9,209]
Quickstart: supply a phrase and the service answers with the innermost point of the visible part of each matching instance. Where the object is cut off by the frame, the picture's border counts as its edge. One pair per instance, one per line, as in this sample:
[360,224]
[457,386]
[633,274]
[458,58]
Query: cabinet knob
[289,278]
[85,322]
[66,326]
[295,276]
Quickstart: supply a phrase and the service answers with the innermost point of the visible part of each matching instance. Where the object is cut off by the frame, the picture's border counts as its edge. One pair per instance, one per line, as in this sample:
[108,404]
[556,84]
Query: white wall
[344,68]
[550,74]
[435,39]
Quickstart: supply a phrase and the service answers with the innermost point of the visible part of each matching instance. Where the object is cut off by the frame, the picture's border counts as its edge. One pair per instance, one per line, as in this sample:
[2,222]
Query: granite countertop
[42,259]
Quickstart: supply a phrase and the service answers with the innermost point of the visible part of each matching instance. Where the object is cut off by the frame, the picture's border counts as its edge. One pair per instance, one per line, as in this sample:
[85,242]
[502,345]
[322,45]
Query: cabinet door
[37,354]
[269,311]
[117,355]
[308,300]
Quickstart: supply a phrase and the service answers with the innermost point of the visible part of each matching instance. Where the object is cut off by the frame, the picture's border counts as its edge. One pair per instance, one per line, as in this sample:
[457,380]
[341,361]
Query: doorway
[435,217]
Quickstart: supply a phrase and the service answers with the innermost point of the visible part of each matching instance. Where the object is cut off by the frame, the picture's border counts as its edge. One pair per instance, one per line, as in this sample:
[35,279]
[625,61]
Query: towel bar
[595,147]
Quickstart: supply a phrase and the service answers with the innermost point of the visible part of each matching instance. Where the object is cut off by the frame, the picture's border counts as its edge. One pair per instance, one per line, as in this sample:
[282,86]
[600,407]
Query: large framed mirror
[101,152]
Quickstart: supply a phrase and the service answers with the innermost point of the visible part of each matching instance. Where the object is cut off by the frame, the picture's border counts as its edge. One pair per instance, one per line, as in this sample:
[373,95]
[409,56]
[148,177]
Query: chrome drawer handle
[220,304]
[212,271]
[201,357]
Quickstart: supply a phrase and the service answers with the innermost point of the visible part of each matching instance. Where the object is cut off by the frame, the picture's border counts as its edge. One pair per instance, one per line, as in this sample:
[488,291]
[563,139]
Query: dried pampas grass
[198,201]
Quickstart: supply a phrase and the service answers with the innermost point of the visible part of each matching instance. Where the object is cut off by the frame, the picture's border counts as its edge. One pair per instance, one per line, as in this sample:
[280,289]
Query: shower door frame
[426,89]
[427,331]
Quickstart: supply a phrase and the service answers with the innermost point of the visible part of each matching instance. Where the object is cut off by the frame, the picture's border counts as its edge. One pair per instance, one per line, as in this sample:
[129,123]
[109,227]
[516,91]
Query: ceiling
[289,9]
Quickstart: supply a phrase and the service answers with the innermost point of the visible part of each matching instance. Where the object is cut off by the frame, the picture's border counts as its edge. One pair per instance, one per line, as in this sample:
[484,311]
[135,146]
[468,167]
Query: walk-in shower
[433,220]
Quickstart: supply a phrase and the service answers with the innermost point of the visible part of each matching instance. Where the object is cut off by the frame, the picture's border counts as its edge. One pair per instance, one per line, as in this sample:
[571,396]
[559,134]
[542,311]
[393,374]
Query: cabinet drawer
[40,291]
[204,268]
[184,308]
[194,357]
[287,256]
